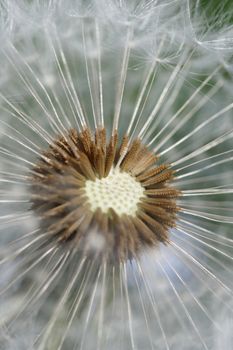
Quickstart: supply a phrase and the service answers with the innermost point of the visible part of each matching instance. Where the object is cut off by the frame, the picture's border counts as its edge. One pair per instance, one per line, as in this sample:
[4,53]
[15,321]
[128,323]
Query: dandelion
[116,175]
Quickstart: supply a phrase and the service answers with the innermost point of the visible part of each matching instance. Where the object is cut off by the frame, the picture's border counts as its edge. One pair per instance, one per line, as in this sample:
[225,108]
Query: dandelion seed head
[84,184]
[115,174]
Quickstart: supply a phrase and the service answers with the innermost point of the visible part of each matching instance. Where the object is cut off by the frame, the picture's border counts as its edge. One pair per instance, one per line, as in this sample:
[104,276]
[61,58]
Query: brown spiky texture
[64,210]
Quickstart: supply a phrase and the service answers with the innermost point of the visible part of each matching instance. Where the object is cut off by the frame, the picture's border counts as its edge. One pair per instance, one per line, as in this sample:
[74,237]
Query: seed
[83,190]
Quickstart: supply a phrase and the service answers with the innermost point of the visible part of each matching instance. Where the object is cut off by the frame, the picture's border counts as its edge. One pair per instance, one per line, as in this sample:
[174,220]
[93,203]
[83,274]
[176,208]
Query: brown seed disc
[84,198]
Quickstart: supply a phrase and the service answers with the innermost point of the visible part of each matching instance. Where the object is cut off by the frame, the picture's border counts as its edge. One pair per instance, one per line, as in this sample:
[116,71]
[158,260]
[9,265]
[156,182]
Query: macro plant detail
[116,193]
[131,209]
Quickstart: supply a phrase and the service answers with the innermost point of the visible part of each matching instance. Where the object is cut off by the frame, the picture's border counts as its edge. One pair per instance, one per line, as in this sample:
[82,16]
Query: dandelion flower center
[119,191]
[86,189]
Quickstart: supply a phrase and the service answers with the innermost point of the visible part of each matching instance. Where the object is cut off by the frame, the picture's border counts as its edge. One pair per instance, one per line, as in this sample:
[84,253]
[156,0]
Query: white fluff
[50,60]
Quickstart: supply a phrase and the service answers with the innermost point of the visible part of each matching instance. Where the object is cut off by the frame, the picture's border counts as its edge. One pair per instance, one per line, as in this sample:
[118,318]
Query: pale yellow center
[119,191]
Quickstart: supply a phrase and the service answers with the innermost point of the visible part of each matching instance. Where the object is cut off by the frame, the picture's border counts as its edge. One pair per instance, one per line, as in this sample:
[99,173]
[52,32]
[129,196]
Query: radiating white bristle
[157,70]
